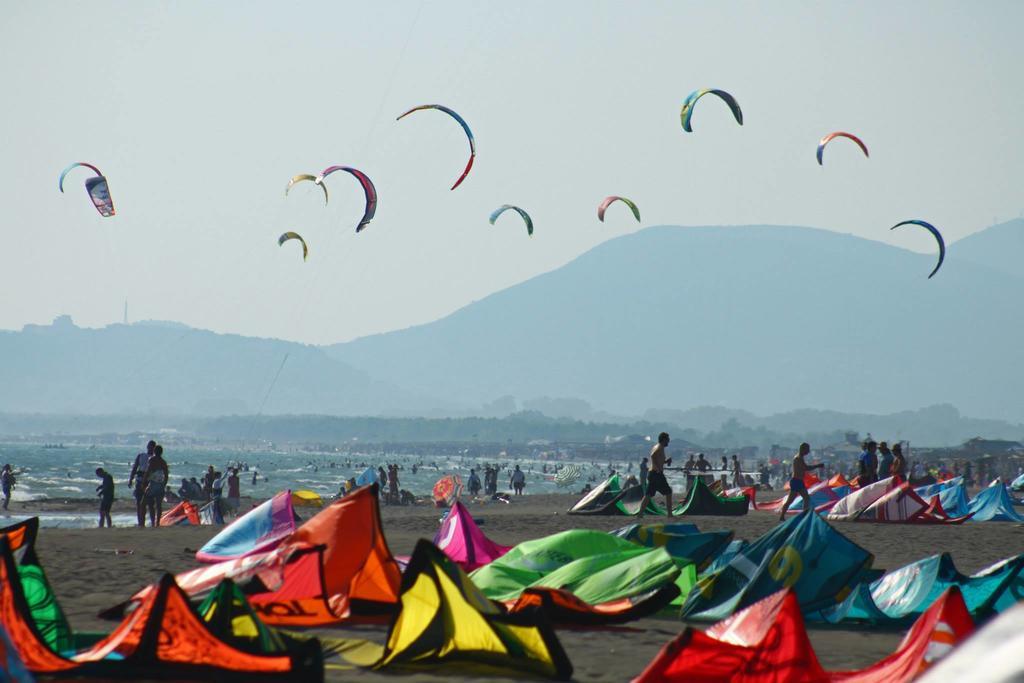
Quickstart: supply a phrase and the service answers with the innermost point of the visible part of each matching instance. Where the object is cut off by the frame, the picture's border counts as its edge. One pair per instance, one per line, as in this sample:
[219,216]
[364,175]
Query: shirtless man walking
[796,484]
[656,481]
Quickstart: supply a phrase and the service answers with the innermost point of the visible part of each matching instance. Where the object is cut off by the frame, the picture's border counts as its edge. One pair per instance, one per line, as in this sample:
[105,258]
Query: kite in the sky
[294,236]
[505,207]
[840,134]
[368,189]
[691,101]
[608,201]
[302,177]
[465,127]
[99,191]
[938,238]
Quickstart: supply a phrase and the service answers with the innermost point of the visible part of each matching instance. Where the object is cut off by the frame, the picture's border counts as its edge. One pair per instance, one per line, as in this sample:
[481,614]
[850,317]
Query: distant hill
[162,368]
[1000,247]
[763,318]
[821,331]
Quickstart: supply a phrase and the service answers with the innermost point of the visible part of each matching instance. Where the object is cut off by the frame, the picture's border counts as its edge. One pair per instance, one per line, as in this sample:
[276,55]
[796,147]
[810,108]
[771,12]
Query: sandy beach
[88,574]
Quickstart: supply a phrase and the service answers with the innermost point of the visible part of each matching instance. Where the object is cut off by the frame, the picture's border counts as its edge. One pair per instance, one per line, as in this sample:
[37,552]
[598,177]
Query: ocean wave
[22,496]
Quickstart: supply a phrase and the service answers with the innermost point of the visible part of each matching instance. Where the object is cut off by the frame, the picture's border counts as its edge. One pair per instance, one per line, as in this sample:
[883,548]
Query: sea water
[67,473]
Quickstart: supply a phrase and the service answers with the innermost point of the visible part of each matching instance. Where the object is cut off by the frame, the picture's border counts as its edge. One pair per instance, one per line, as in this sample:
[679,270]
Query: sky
[199,113]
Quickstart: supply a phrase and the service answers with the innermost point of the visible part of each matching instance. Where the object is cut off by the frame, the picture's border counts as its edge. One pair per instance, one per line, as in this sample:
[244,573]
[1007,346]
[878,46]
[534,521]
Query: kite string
[273,382]
[391,81]
[346,255]
[300,312]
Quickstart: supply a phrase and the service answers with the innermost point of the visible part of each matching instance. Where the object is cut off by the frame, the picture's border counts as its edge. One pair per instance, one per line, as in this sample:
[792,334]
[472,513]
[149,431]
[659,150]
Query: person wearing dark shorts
[796,482]
[137,479]
[106,493]
[656,481]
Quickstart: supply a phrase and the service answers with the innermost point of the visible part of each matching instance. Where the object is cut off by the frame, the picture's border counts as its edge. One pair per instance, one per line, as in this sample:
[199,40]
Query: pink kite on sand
[461,540]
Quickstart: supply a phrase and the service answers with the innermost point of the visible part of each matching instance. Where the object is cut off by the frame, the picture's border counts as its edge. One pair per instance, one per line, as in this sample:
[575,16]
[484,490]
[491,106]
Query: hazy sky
[199,113]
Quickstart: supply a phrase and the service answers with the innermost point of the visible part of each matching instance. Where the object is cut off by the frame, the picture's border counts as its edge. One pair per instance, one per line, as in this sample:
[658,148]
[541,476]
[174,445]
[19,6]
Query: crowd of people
[390,488]
[149,479]
[877,461]
[489,485]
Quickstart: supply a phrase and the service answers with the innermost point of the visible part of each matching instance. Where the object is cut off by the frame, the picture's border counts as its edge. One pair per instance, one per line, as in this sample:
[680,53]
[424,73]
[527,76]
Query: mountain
[820,331]
[761,318]
[171,368]
[999,247]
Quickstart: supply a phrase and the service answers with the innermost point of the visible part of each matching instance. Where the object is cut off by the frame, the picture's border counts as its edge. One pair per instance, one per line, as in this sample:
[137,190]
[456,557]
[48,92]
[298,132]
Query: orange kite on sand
[335,567]
[182,513]
[162,638]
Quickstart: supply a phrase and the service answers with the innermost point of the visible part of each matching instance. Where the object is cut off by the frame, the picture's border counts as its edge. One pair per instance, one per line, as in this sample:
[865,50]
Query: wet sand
[88,575]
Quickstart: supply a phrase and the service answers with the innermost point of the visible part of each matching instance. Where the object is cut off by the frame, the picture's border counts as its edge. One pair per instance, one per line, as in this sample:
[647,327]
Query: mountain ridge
[804,294]
[764,319]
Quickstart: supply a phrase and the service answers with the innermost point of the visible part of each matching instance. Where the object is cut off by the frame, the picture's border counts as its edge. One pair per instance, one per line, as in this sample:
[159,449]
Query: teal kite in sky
[505,207]
[691,101]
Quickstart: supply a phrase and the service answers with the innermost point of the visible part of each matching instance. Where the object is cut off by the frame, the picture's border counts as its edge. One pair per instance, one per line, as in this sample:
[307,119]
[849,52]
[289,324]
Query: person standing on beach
[517,481]
[7,483]
[690,467]
[157,476]
[737,472]
[899,464]
[106,493]
[644,469]
[703,466]
[234,492]
[382,480]
[474,483]
[208,483]
[393,494]
[656,481]
[216,505]
[884,461]
[868,464]
[797,487]
[138,478]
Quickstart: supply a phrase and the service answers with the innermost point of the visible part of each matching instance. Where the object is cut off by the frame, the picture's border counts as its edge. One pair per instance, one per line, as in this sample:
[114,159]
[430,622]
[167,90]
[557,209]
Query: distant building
[980,446]
[62,323]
